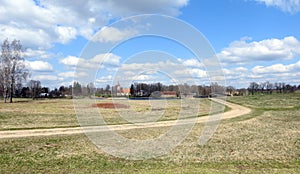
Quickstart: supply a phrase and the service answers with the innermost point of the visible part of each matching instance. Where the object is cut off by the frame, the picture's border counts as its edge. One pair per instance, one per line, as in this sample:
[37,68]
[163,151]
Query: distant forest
[34,90]
[145,90]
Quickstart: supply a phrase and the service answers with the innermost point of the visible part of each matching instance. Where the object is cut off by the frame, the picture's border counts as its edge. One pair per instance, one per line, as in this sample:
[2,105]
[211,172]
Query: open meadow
[60,113]
[265,141]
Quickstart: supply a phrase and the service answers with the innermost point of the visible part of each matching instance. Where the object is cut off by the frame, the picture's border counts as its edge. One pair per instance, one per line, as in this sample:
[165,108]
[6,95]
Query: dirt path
[236,110]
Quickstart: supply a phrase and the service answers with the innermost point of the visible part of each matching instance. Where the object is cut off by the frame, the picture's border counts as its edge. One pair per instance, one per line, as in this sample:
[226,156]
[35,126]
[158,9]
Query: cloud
[290,6]
[142,77]
[266,50]
[71,74]
[47,78]
[65,34]
[277,68]
[193,72]
[71,60]
[191,63]
[30,53]
[50,22]
[235,71]
[161,71]
[105,79]
[124,80]
[130,7]
[112,34]
[42,40]
[39,66]
[107,59]
[41,24]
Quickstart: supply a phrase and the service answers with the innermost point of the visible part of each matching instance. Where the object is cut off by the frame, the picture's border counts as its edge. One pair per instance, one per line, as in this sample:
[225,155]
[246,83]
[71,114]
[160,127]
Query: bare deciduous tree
[35,88]
[12,68]
[253,87]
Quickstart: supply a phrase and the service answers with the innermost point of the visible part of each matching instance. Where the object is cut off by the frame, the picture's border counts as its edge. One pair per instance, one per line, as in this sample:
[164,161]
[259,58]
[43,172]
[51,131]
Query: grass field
[265,141]
[28,114]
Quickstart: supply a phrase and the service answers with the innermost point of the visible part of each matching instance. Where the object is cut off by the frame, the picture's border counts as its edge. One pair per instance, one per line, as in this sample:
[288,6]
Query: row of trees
[145,90]
[34,90]
[269,88]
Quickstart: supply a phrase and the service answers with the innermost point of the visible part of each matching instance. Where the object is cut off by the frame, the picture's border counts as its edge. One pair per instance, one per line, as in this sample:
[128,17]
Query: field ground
[59,113]
[145,121]
[265,141]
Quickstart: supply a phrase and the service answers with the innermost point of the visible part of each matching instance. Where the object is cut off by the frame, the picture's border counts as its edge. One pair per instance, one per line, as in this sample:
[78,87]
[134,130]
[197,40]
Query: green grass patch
[59,113]
[263,141]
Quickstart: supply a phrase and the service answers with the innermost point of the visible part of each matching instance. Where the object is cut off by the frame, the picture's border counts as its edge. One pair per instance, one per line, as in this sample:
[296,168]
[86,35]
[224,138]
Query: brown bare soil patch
[110,105]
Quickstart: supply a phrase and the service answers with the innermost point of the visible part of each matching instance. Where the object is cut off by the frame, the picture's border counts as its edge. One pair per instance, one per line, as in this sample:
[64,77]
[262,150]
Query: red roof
[126,90]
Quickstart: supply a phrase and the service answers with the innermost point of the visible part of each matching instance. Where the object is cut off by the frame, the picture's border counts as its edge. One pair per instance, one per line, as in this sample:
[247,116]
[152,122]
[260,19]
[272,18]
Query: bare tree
[35,88]
[12,68]
[91,89]
[252,87]
[262,86]
[77,89]
[269,87]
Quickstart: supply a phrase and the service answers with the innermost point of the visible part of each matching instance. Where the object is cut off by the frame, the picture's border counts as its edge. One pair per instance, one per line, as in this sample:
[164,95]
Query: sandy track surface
[236,110]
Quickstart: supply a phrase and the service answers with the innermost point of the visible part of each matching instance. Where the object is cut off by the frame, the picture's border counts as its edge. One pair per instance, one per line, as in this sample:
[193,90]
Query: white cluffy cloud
[112,34]
[277,68]
[71,60]
[65,34]
[192,63]
[164,71]
[290,6]
[48,77]
[96,61]
[40,24]
[266,50]
[40,54]
[39,66]
[71,74]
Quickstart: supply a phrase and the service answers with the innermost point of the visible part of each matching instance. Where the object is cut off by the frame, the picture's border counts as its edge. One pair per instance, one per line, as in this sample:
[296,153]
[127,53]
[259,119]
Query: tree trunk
[11,93]
[5,95]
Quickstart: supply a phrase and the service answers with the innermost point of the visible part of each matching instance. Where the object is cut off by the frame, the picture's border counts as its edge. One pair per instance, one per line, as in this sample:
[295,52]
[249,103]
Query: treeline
[145,90]
[269,88]
[34,90]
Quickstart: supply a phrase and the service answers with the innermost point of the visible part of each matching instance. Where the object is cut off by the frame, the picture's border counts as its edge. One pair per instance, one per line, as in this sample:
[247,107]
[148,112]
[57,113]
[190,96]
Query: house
[117,90]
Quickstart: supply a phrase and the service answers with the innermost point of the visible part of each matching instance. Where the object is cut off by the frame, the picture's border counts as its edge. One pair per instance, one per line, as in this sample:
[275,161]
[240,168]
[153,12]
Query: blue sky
[255,40]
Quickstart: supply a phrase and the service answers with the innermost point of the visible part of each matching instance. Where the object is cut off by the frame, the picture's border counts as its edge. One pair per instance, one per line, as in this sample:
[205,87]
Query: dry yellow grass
[28,114]
[264,141]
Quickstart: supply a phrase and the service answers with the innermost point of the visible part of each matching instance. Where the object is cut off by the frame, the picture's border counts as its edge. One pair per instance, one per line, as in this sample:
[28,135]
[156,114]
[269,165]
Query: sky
[99,41]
